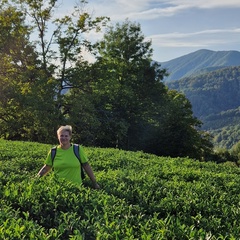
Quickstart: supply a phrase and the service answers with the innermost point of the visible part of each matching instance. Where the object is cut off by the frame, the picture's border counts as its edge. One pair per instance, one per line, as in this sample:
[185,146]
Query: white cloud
[154,13]
[203,3]
[186,25]
[149,9]
[119,10]
[208,31]
[199,39]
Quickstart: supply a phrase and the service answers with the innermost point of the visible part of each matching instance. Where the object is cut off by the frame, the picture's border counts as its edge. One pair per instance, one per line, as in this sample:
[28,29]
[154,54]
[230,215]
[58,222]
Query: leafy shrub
[142,197]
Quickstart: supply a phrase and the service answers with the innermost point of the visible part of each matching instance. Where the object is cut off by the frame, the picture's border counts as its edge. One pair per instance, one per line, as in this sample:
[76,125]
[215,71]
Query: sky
[175,27]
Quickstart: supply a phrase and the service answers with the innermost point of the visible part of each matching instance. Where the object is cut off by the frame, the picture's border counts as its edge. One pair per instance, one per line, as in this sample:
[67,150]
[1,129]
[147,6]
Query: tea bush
[142,196]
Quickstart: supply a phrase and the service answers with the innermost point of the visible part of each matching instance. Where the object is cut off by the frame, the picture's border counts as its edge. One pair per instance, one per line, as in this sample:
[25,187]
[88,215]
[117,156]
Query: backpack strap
[76,149]
[53,153]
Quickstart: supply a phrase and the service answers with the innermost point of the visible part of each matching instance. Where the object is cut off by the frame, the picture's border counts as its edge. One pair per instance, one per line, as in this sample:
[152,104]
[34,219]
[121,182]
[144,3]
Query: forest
[215,99]
[119,100]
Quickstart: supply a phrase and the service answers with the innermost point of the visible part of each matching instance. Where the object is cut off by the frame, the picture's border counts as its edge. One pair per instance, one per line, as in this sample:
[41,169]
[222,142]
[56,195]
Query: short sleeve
[83,156]
[48,160]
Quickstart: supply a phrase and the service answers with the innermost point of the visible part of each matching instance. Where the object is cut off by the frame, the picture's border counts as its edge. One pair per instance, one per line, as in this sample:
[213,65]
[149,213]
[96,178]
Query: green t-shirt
[66,165]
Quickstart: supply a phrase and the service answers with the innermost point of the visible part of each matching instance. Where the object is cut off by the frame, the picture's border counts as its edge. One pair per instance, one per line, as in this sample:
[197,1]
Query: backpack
[76,152]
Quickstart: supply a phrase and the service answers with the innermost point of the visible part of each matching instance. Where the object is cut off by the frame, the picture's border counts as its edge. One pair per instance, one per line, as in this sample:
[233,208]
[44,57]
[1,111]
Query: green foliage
[235,152]
[224,156]
[31,80]
[215,99]
[127,86]
[177,133]
[26,90]
[133,107]
[142,197]
[118,101]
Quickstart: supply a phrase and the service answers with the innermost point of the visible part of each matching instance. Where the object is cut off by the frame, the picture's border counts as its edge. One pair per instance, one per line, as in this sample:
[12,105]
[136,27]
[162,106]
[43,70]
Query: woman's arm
[90,173]
[44,170]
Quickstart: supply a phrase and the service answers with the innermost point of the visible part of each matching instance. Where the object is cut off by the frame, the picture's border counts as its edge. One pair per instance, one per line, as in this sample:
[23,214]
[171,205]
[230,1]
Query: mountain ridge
[200,61]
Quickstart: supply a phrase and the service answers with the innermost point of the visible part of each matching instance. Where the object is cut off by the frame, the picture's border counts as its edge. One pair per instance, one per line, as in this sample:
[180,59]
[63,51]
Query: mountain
[201,61]
[215,99]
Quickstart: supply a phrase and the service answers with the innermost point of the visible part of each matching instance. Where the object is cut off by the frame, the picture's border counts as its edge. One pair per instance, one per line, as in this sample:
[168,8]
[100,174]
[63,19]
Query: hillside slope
[142,197]
[215,99]
[201,61]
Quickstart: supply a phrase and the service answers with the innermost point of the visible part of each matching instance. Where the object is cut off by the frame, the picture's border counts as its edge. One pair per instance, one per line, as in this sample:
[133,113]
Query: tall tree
[79,109]
[17,56]
[67,33]
[135,109]
[27,91]
[41,79]
[178,132]
[127,84]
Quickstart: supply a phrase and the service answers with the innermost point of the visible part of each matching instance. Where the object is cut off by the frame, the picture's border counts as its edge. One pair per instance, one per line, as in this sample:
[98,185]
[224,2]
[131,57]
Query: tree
[68,34]
[135,109]
[235,152]
[118,101]
[34,98]
[79,109]
[179,135]
[26,90]
[127,85]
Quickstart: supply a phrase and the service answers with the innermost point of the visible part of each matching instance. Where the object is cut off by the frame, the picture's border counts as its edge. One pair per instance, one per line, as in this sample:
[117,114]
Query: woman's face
[64,137]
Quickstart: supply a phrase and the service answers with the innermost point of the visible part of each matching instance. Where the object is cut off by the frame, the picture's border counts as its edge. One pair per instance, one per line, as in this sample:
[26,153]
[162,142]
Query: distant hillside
[215,99]
[199,62]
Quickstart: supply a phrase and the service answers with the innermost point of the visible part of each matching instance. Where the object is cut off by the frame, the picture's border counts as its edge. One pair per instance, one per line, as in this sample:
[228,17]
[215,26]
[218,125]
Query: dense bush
[142,197]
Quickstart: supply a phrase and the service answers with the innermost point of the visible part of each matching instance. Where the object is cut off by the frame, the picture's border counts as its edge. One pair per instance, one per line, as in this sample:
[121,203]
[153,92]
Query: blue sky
[176,27]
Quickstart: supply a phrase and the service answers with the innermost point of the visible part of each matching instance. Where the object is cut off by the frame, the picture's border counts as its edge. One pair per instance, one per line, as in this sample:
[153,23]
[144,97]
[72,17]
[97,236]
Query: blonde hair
[67,128]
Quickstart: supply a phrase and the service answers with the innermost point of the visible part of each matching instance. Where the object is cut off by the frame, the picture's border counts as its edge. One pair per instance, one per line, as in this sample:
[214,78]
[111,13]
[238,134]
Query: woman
[66,164]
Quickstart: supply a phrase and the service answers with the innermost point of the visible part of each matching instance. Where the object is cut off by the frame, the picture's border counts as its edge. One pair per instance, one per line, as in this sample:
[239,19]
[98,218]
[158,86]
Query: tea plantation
[142,196]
